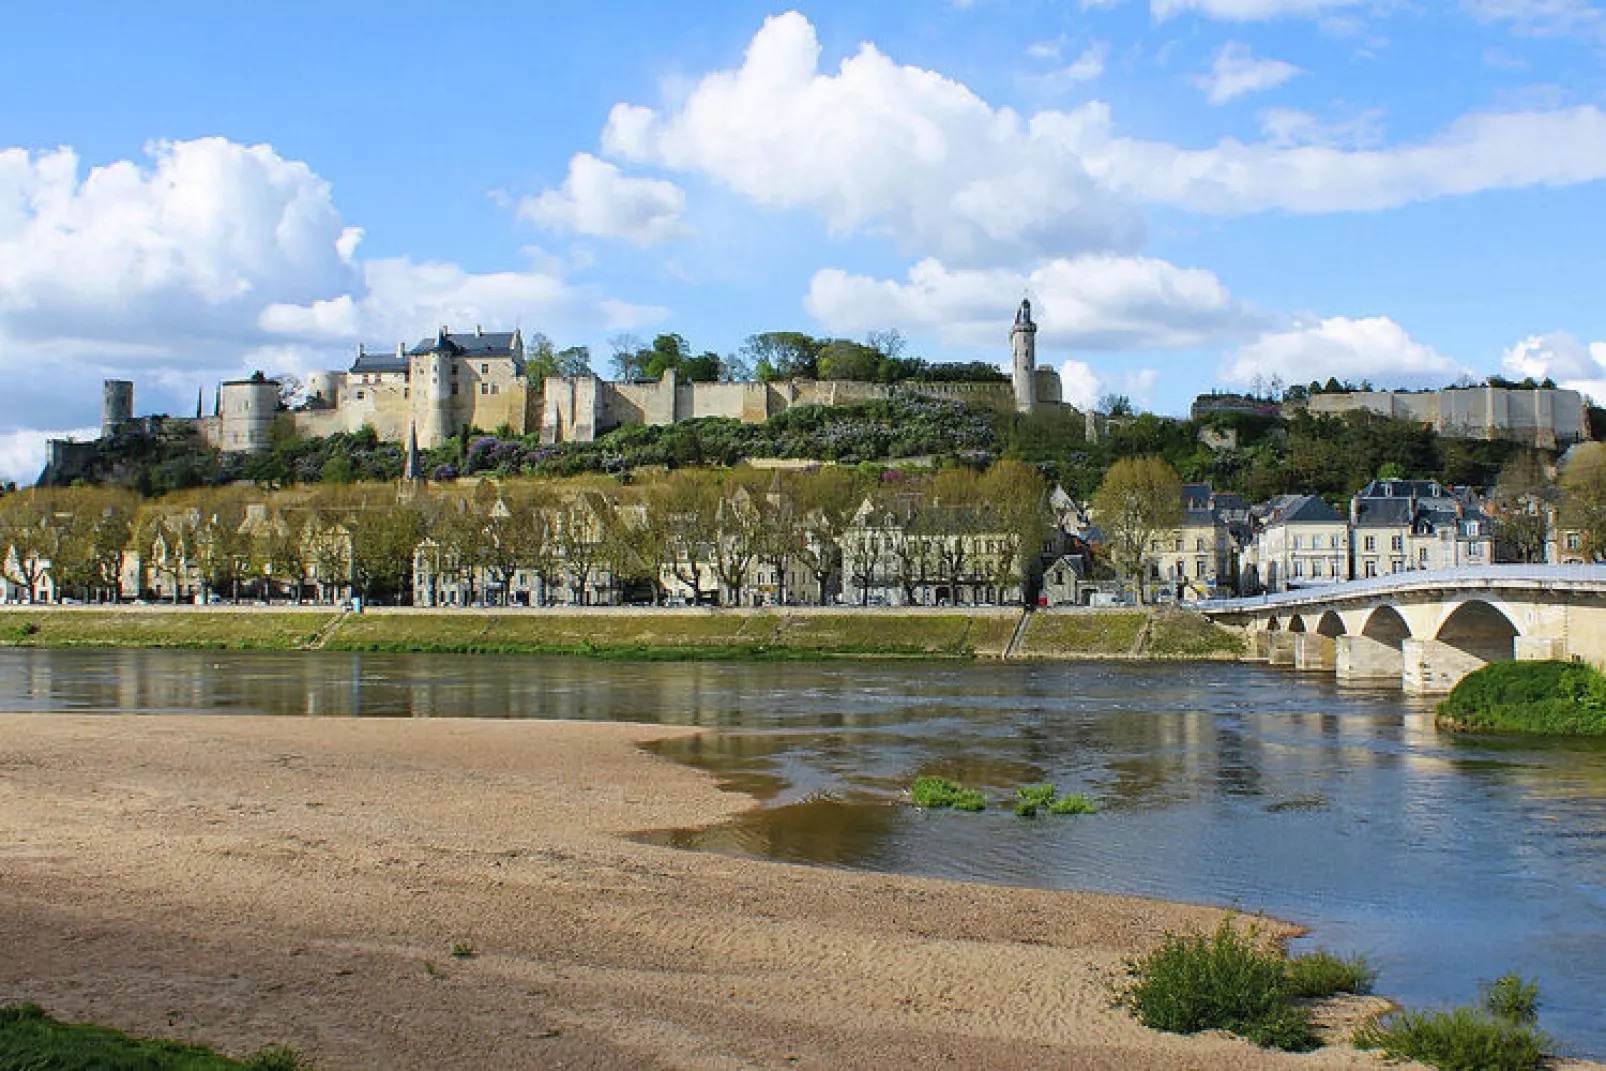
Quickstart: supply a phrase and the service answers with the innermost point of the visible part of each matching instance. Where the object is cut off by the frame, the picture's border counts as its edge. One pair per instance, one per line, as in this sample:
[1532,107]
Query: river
[1442,859]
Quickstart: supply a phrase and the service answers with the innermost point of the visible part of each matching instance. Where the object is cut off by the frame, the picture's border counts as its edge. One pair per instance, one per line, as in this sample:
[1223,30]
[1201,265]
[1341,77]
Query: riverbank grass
[31,1039]
[736,636]
[1233,980]
[1542,698]
[1497,1035]
[241,630]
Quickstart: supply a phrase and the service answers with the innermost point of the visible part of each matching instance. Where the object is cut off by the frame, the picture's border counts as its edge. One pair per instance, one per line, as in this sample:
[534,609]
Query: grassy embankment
[642,635]
[683,636]
[1158,634]
[157,627]
[1546,698]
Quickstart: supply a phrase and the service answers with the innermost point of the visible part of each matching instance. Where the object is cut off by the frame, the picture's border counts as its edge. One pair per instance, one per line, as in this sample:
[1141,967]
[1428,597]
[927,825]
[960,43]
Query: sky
[1195,194]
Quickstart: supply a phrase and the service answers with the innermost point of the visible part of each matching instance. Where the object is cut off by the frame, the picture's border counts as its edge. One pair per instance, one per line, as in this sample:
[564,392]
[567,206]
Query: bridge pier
[1314,652]
[1257,645]
[1280,648]
[1539,648]
[1434,668]
[1363,660]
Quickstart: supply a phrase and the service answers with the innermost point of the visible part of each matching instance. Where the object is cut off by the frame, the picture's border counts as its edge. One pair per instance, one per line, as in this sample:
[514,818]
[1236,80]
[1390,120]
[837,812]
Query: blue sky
[1195,193]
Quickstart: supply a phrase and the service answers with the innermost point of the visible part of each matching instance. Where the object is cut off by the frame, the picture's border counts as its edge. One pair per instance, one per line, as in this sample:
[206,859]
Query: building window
[1422,555]
[485,388]
[1198,544]
[1397,565]
[1299,567]
[1333,542]
[359,396]
[1397,543]
[1370,543]
[1199,568]
[1573,542]
[454,388]
[1472,529]
[1296,542]
[1371,567]
[1474,550]
[1179,546]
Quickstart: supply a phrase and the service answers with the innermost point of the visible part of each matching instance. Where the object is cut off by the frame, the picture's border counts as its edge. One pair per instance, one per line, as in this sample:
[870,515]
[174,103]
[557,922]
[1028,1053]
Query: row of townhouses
[893,550]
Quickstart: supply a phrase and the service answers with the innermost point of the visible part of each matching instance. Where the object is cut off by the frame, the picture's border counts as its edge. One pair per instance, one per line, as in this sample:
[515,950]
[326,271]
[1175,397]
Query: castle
[478,380]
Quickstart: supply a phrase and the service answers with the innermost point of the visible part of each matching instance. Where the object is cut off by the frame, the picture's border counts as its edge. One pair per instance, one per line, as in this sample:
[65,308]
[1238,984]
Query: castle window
[359,396]
[485,369]
[454,388]
[493,388]
[485,388]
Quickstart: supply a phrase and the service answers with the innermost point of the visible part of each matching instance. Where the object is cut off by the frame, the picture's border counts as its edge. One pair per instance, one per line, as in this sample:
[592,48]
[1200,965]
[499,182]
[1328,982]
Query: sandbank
[244,881]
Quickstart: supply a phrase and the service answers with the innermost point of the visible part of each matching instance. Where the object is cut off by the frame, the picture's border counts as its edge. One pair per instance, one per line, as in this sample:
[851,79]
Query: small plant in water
[1075,803]
[937,792]
[968,799]
[1511,999]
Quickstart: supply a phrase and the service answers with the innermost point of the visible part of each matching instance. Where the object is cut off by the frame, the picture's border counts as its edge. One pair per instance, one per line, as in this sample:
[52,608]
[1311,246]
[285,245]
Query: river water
[1442,859]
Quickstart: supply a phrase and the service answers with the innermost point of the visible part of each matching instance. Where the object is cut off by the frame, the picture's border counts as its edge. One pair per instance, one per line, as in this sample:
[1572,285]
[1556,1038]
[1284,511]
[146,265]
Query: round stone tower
[247,410]
[116,405]
[439,426]
[1023,350]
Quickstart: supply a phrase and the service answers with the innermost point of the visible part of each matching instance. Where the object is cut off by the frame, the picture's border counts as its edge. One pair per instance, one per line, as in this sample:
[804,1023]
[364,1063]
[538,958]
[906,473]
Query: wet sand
[244,881]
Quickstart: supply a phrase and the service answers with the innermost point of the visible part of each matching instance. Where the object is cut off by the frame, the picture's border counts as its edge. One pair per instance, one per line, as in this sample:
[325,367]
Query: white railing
[1486,576]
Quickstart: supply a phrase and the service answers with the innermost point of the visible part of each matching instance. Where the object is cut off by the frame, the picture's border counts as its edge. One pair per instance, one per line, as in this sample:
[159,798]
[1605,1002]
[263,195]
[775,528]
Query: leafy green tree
[1583,485]
[1139,500]
[782,355]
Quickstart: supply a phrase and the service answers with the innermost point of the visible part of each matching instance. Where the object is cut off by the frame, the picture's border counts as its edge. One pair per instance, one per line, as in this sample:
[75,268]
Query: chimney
[479,332]
[401,349]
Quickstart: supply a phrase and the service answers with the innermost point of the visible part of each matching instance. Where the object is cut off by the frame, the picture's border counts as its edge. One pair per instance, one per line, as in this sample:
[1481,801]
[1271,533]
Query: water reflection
[1444,860]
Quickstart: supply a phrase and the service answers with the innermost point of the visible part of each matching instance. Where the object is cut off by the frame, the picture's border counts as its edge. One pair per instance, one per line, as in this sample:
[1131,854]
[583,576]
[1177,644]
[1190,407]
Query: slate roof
[384,361]
[1302,509]
[475,344]
[1383,512]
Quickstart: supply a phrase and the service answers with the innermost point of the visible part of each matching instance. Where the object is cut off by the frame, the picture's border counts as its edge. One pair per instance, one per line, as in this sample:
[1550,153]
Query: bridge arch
[1296,624]
[1385,625]
[1273,625]
[1331,625]
[1480,629]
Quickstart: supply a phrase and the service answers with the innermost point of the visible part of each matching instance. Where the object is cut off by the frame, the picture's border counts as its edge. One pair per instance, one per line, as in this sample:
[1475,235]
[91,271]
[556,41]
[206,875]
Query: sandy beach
[247,881]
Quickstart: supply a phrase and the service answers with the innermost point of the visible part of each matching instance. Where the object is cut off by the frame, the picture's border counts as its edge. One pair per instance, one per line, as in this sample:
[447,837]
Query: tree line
[593,538]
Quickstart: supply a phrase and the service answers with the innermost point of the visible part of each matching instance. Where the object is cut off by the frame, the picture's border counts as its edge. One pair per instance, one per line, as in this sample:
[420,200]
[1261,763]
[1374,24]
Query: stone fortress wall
[1546,418]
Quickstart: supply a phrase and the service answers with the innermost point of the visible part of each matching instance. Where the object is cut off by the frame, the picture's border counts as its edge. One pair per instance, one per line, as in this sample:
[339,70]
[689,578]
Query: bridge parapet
[1428,629]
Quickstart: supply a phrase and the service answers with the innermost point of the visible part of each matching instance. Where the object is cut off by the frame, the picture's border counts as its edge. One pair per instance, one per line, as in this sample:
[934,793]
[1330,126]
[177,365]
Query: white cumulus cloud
[598,199]
[206,259]
[879,147]
[1096,302]
[1235,73]
[1373,348]
[1477,152]
[1561,357]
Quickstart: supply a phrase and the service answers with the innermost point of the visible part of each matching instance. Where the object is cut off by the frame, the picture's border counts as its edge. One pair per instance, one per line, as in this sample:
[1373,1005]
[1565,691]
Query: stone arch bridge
[1426,630]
